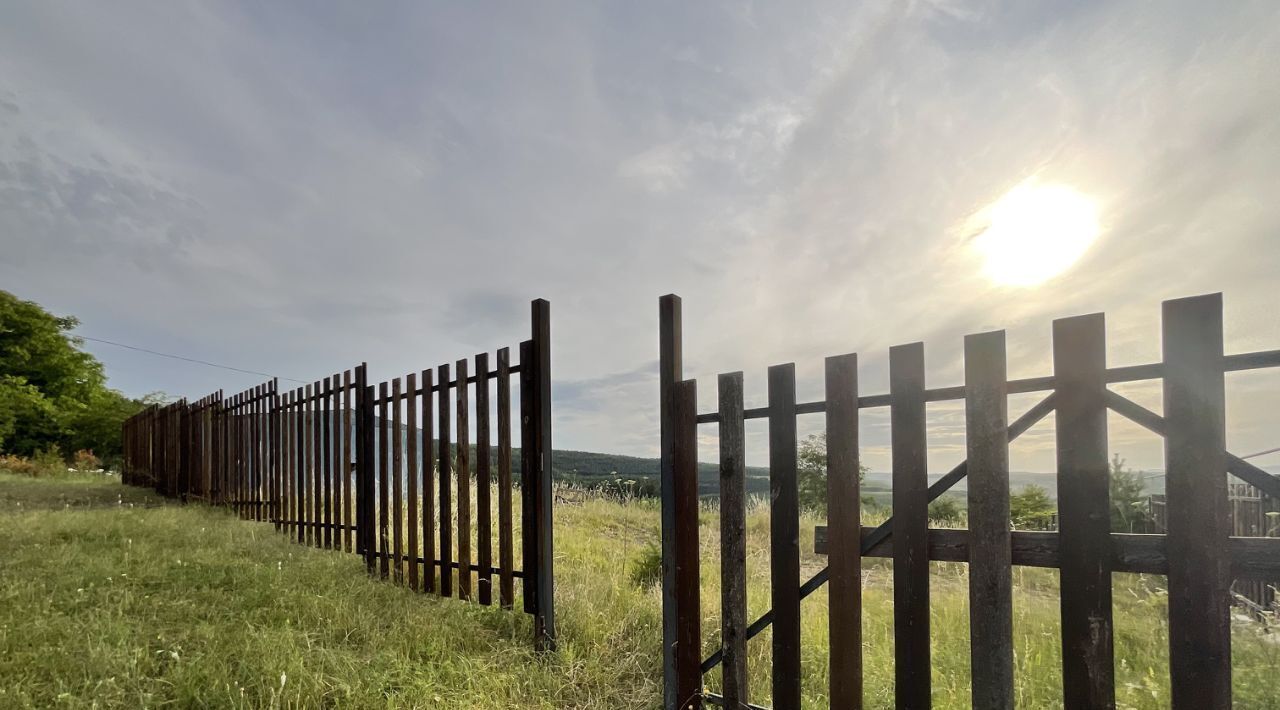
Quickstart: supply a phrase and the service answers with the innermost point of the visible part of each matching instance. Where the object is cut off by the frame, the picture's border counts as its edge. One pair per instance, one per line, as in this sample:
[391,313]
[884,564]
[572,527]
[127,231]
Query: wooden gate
[1198,553]
[372,469]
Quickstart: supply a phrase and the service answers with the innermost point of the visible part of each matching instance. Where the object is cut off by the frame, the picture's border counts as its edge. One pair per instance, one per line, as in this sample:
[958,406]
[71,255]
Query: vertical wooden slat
[300,446]
[308,473]
[506,562]
[428,489]
[445,504]
[784,531]
[1084,515]
[528,501]
[364,467]
[277,450]
[910,526]
[463,458]
[844,557]
[384,471]
[327,468]
[348,456]
[733,542]
[397,478]
[1195,490]
[990,579]
[684,462]
[411,473]
[670,368]
[484,523]
[342,470]
[317,466]
[290,461]
[540,449]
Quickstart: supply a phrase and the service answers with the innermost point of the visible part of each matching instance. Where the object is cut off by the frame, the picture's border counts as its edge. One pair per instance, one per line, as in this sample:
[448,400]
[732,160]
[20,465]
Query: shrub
[84,460]
[647,569]
[45,463]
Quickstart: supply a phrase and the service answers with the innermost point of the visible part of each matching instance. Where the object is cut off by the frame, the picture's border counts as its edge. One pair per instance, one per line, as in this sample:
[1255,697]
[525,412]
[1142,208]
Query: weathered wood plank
[463,460]
[670,348]
[384,484]
[684,462]
[784,540]
[397,478]
[912,662]
[412,473]
[1195,499]
[990,579]
[1084,516]
[733,542]
[428,487]
[506,561]
[540,449]
[326,468]
[445,502]
[1250,557]
[484,522]
[845,517]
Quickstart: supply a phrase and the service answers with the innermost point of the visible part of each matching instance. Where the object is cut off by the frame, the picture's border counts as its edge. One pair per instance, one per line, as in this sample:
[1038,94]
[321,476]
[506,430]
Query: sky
[294,188]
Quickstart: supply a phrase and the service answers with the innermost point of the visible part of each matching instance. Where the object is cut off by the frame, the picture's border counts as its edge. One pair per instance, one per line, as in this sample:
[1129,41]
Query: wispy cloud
[295,188]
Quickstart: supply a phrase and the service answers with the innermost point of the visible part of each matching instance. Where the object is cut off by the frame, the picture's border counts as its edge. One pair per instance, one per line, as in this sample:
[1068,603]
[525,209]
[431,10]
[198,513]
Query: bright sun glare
[1035,232]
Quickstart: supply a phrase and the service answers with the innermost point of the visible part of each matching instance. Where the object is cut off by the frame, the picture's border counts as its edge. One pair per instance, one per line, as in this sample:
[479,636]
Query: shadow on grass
[23,493]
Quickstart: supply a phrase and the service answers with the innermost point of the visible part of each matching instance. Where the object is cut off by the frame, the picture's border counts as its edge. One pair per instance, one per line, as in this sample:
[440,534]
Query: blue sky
[296,187]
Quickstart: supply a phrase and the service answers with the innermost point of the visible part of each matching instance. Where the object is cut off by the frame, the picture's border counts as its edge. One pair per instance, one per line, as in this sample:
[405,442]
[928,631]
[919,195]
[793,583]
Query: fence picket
[506,561]
[845,520]
[684,461]
[910,526]
[1195,490]
[484,523]
[428,488]
[384,481]
[784,537]
[411,473]
[464,482]
[1084,516]
[733,542]
[397,478]
[990,578]
[445,505]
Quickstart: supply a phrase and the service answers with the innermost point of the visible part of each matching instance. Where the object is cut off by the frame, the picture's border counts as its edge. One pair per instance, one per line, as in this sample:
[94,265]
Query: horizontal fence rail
[390,471]
[1201,549]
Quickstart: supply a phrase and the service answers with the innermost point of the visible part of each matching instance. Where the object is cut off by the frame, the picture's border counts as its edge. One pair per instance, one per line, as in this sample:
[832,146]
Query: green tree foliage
[52,393]
[1031,509]
[811,473]
[1129,510]
[945,510]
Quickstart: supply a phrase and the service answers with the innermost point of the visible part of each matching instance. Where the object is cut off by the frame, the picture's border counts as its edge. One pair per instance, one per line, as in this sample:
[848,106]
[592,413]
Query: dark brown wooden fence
[1198,553]
[347,465]
[1250,513]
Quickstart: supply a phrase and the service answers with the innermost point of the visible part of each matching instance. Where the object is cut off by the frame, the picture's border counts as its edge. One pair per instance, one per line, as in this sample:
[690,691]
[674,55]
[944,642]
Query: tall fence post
[670,367]
[539,448]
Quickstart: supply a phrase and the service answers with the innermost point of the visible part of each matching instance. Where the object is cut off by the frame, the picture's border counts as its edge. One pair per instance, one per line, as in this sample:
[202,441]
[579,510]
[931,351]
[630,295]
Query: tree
[811,473]
[1129,511]
[52,393]
[945,510]
[1031,509]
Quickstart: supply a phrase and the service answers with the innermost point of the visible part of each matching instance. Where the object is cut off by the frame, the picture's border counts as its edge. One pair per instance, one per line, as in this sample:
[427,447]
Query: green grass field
[110,597]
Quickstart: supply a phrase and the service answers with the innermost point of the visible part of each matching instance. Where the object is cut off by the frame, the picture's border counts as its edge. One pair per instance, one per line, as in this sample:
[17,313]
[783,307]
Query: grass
[110,597]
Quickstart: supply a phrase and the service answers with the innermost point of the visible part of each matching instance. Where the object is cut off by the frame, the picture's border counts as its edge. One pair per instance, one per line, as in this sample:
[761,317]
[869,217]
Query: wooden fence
[346,465]
[1250,513]
[1197,553]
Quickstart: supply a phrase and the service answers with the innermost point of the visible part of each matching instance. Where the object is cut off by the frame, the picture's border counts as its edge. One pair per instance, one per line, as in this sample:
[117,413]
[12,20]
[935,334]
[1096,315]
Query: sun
[1035,232]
